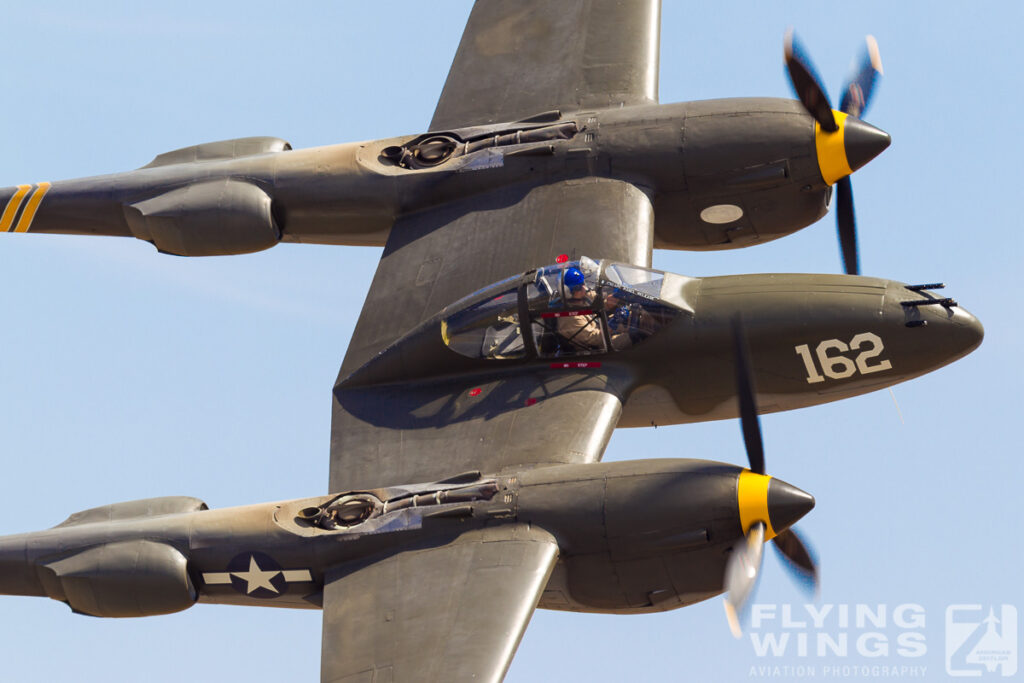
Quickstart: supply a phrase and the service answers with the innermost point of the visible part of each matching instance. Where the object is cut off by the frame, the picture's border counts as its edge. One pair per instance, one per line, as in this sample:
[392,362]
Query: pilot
[580,331]
[577,294]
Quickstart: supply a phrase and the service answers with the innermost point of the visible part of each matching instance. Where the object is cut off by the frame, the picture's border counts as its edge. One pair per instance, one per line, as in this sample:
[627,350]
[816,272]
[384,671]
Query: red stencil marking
[566,314]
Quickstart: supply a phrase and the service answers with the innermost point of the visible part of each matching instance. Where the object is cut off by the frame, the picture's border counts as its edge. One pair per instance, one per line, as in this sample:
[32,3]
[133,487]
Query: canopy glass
[578,308]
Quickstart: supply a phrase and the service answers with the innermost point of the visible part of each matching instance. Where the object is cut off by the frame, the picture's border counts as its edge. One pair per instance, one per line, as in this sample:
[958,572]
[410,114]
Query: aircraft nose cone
[787,504]
[967,330]
[863,142]
[937,329]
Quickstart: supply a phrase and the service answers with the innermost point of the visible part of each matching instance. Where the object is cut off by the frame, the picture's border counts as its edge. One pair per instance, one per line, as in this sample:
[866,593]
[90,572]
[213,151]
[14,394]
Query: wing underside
[430,430]
[518,59]
[450,613]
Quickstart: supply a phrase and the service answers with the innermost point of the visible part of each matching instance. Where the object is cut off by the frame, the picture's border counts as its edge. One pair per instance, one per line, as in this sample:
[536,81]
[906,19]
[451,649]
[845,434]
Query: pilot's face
[581,296]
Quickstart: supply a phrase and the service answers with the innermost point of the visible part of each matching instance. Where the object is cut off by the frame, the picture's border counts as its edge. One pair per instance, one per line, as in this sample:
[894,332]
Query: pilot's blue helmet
[573,278]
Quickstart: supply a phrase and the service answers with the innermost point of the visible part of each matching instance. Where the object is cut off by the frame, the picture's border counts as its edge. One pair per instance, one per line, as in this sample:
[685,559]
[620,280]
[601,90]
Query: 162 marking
[838,366]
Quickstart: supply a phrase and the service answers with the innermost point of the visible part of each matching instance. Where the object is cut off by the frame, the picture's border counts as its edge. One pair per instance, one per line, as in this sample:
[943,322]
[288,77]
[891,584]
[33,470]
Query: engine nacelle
[212,218]
[133,509]
[235,148]
[124,579]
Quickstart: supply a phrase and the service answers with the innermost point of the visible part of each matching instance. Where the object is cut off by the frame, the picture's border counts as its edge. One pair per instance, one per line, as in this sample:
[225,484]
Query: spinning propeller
[844,143]
[765,504]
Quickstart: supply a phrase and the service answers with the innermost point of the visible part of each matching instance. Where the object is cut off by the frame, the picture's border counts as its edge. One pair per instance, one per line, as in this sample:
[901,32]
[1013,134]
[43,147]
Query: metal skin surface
[755,154]
[781,314]
[663,526]
[684,372]
[437,581]
[692,359]
[437,587]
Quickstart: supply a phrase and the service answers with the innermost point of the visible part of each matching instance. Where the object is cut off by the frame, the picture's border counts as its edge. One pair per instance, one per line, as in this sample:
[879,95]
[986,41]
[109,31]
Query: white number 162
[839,366]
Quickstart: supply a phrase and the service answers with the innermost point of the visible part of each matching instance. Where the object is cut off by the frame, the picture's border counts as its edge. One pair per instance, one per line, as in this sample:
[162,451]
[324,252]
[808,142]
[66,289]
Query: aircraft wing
[522,58]
[449,613]
[429,430]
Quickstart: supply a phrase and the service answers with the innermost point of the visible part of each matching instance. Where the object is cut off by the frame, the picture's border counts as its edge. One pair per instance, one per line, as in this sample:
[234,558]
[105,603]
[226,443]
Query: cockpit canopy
[577,308]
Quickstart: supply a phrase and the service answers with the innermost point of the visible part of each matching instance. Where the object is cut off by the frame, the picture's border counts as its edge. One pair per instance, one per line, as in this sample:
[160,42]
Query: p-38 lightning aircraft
[514,321]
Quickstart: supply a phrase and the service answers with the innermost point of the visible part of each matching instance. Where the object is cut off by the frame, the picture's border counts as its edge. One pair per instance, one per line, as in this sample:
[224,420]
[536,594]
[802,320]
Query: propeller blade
[797,557]
[846,224]
[749,421]
[741,572]
[807,85]
[857,93]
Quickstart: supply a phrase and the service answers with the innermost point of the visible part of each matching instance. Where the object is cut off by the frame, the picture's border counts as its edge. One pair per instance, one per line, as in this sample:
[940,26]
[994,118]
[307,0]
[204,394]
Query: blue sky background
[128,374]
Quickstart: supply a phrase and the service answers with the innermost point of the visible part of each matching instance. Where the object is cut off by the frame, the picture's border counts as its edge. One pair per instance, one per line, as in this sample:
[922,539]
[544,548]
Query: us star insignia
[258,575]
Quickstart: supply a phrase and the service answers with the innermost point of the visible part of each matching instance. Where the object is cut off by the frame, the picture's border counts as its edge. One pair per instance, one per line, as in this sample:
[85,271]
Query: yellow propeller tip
[875,54]
[733,619]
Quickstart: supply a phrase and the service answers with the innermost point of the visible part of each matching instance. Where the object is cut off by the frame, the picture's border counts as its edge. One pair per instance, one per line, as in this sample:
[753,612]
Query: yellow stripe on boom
[30,209]
[12,207]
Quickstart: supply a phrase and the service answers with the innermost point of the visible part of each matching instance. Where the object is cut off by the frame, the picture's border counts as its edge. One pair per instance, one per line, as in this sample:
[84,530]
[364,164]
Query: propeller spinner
[768,506]
[843,142]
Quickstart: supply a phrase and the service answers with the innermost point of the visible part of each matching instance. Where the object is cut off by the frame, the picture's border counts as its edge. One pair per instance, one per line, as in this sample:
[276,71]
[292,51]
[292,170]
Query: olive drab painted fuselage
[471,412]
[720,174]
[661,526]
[663,340]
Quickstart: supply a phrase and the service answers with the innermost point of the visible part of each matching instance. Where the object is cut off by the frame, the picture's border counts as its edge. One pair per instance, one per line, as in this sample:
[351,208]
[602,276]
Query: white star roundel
[257,575]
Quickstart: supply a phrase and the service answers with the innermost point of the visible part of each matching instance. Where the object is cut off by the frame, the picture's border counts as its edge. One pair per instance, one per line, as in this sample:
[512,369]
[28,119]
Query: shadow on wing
[440,403]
